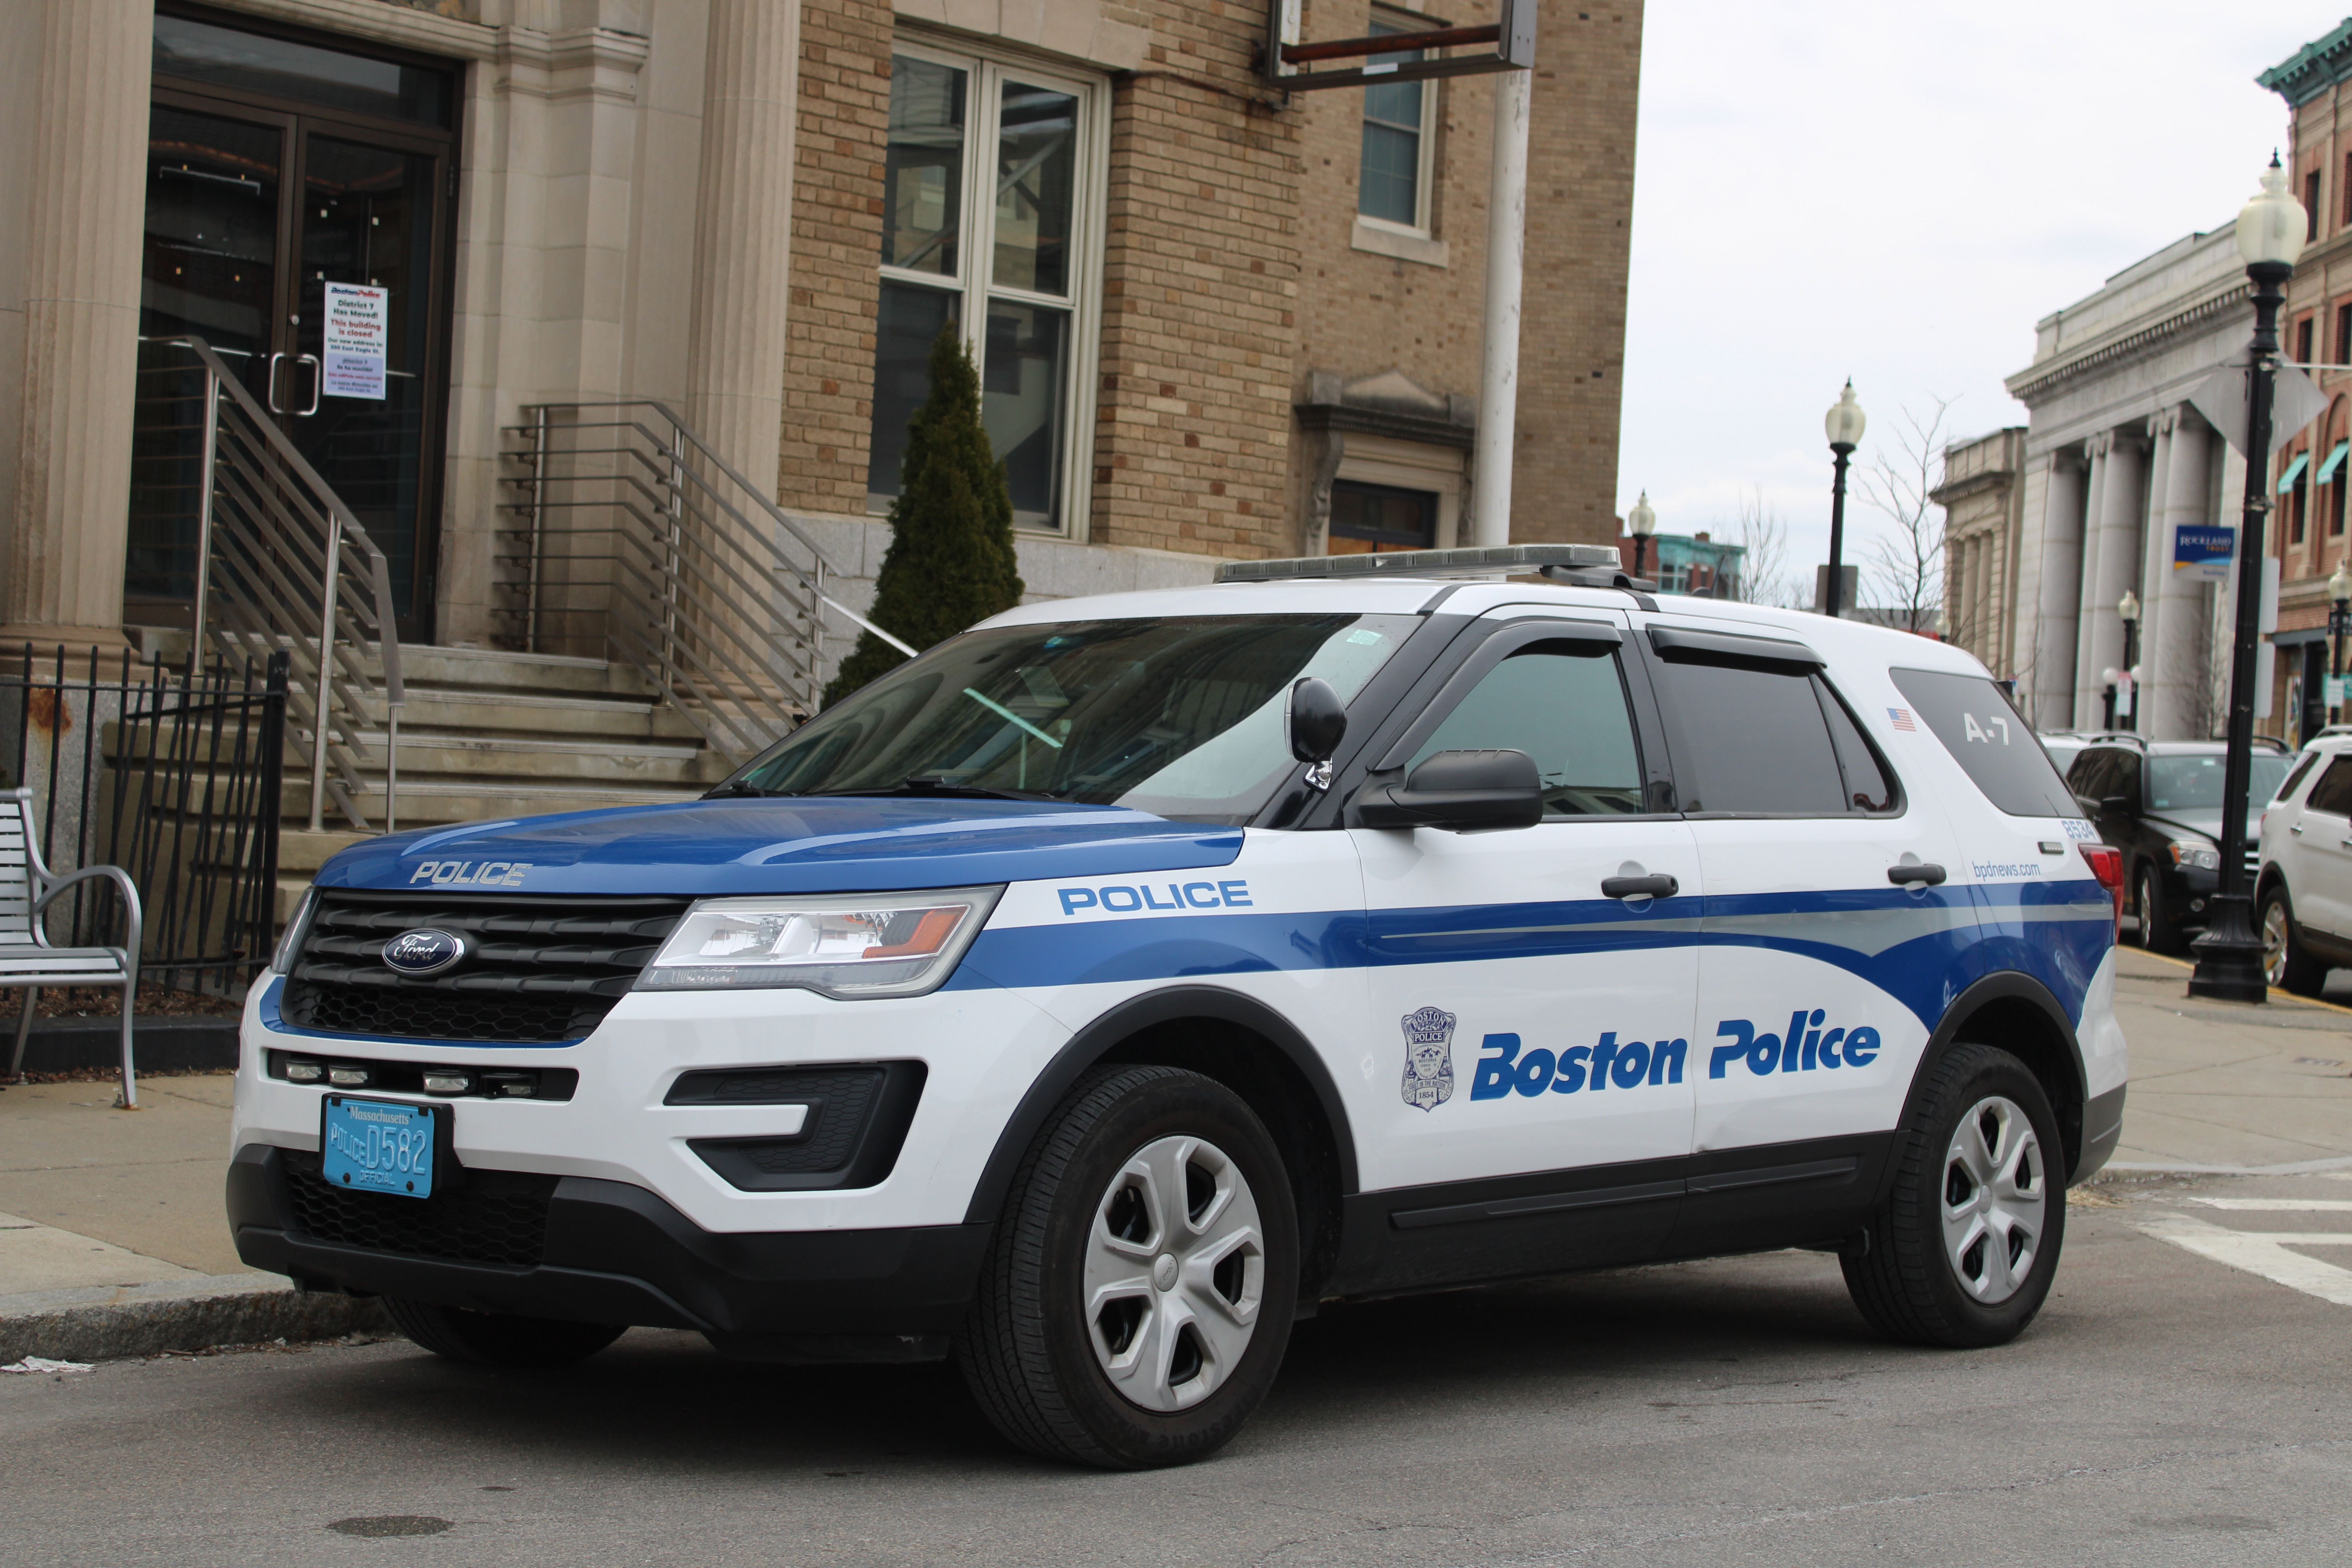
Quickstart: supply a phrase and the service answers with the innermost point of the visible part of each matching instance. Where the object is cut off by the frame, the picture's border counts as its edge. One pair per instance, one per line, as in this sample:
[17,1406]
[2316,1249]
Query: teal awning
[2293,472]
[2334,461]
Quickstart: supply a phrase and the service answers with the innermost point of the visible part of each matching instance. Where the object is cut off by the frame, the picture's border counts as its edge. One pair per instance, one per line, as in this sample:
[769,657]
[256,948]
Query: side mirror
[1318,720]
[1461,790]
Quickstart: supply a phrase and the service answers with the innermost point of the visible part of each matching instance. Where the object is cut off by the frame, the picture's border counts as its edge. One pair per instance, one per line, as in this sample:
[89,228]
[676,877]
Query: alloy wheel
[2274,941]
[1996,1191]
[1175,1273]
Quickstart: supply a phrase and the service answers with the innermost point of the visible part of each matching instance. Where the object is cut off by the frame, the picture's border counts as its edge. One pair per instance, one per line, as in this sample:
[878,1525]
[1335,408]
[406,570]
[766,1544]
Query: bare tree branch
[1764,568]
[1906,562]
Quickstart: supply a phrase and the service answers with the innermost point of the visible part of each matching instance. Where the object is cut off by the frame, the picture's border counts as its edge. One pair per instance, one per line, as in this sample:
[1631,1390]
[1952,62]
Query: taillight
[2106,864]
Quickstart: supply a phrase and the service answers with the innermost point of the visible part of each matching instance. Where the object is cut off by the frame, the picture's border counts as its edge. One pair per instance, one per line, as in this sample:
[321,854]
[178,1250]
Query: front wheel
[2286,962]
[1962,1252]
[1138,1296]
[498,1339]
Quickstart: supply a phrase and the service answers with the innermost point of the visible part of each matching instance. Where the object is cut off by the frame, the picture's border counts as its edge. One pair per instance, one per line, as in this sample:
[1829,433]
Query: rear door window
[2333,792]
[1752,741]
[1991,741]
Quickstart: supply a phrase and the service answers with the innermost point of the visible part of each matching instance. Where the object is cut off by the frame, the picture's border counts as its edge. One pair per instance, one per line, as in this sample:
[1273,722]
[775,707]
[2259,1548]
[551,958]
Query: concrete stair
[486,735]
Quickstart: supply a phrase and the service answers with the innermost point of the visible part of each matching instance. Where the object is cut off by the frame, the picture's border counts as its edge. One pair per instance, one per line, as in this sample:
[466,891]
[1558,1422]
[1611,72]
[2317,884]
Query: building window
[2344,334]
[991,222]
[2347,187]
[1367,520]
[2295,494]
[2303,340]
[2311,205]
[1393,186]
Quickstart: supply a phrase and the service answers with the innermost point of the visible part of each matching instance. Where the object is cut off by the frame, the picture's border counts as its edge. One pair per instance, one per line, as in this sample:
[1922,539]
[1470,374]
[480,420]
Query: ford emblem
[422,952]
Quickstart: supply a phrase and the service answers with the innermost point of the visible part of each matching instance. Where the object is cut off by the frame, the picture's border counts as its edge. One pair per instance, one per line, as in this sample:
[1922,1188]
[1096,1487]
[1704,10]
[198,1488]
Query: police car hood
[793,844]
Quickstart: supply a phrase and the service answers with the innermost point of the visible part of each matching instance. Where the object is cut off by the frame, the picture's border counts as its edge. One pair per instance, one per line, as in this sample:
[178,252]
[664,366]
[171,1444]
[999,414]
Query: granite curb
[109,1322]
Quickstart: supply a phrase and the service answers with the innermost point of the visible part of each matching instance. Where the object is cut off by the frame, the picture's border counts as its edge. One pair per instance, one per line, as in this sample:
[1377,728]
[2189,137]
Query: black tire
[2287,961]
[1903,1276]
[498,1339]
[2158,932]
[1027,1347]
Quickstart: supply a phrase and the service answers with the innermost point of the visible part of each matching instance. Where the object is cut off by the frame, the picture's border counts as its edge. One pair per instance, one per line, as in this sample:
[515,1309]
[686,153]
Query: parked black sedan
[2160,803]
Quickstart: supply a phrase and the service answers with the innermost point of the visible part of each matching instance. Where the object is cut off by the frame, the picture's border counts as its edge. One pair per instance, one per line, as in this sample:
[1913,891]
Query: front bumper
[613,1253]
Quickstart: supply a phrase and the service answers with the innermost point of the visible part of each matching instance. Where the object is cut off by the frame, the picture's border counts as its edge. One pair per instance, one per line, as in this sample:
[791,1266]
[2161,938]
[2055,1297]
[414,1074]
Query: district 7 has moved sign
[358,332]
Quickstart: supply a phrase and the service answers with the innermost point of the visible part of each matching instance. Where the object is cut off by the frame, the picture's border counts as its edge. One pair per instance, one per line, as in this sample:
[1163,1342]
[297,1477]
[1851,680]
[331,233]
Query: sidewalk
[112,1241]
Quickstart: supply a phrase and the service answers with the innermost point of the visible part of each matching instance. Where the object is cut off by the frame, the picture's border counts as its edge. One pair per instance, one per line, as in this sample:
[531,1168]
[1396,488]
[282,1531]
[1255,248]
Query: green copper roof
[2313,68]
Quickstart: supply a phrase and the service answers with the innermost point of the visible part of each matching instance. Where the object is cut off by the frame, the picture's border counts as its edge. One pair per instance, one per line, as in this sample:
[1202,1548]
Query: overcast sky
[1897,193]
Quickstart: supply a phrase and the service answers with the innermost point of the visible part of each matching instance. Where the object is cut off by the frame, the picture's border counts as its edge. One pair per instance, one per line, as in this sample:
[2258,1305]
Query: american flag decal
[1902,717]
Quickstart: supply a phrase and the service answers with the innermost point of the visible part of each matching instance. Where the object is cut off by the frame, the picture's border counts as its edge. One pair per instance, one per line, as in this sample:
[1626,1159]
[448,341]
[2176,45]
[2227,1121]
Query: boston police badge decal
[1428,1057]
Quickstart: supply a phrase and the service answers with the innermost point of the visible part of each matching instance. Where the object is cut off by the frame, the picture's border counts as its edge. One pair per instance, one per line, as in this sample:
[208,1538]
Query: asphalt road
[2167,1408]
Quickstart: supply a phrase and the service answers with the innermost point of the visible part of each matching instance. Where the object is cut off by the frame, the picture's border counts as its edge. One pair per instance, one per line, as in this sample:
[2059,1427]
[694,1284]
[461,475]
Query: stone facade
[1982,492]
[2115,461]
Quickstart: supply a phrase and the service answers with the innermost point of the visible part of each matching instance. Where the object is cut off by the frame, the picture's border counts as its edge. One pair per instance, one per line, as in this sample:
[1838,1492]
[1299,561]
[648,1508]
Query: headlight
[842,945]
[2196,856]
[282,960]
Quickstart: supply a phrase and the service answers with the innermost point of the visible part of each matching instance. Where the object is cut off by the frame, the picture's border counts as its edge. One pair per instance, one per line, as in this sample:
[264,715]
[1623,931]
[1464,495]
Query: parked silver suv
[2303,888]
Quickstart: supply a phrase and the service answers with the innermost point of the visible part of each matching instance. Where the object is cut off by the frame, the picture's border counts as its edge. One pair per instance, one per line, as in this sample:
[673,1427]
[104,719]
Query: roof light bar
[1487,561]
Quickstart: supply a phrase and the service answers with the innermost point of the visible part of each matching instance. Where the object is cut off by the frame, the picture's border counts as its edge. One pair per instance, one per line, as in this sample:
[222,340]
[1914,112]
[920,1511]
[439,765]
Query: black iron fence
[174,775]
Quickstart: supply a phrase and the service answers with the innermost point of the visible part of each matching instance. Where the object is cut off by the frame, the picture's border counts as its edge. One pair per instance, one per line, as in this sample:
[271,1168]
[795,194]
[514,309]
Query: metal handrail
[282,565]
[638,541]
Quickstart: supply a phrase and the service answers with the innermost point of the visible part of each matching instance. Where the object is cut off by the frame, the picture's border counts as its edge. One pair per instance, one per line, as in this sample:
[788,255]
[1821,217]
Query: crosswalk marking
[2267,1252]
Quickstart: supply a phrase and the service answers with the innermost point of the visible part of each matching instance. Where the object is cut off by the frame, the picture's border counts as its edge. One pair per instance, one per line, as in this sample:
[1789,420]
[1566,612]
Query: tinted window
[2333,792]
[1992,743]
[1868,785]
[1565,708]
[2194,783]
[2310,759]
[1751,740]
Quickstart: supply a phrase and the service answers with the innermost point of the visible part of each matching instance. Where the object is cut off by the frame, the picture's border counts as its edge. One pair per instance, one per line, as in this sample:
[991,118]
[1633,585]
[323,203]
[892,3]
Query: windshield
[1180,717]
[2194,784]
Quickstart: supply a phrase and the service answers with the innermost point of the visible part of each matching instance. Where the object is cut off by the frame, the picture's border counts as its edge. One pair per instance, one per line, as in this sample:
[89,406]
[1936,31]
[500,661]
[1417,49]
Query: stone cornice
[1352,419]
[2036,382]
[1974,484]
[2313,68]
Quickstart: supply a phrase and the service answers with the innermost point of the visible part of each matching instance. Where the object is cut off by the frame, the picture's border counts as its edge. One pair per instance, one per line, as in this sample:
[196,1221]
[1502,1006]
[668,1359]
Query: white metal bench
[26,887]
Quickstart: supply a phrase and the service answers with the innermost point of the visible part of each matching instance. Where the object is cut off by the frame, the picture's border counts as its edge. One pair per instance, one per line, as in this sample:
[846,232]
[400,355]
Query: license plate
[379,1146]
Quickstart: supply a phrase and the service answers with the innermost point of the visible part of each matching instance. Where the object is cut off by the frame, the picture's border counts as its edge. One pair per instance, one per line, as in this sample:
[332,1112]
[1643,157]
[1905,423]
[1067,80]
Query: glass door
[299,220]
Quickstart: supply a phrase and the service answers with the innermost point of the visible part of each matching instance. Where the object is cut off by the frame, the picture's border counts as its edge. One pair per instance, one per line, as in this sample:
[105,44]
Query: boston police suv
[1090,997]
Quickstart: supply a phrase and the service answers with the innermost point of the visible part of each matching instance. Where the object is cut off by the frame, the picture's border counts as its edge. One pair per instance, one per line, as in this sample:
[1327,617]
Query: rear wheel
[1962,1252]
[2286,962]
[498,1339]
[1138,1296]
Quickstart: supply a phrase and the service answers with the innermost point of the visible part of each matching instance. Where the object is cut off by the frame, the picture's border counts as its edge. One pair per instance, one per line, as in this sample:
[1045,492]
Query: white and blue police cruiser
[1092,996]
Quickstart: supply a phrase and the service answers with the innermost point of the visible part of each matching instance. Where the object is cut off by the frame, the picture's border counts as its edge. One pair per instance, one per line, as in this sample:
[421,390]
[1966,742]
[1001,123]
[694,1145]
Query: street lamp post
[2271,232]
[1643,522]
[2128,610]
[1844,423]
[2339,619]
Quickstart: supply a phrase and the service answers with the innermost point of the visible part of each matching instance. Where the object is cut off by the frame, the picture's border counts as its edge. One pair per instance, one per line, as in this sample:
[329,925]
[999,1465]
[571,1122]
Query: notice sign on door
[2203,553]
[358,329]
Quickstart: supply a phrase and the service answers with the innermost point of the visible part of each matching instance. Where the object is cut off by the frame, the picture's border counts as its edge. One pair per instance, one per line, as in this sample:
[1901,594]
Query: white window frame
[1425,160]
[989,67]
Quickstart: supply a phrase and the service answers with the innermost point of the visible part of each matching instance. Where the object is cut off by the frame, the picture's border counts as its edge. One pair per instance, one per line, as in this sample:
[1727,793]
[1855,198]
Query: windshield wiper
[736,789]
[943,789]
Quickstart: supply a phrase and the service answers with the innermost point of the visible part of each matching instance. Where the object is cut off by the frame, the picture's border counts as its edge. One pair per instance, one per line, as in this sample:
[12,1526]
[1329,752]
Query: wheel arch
[2017,1012]
[1242,1043]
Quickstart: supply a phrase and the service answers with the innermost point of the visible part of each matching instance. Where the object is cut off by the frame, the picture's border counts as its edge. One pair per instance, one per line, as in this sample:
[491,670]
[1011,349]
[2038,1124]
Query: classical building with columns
[2114,462]
[1213,320]
[1982,492]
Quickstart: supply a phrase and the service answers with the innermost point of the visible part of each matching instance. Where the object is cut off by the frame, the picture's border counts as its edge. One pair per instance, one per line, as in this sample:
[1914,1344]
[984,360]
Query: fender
[1090,1043]
[2002,985]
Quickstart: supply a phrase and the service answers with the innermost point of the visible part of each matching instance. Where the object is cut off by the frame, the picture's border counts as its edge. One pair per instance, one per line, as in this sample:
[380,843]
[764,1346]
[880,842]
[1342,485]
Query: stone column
[2051,679]
[742,240]
[2156,553]
[84,216]
[2178,677]
[2109,567]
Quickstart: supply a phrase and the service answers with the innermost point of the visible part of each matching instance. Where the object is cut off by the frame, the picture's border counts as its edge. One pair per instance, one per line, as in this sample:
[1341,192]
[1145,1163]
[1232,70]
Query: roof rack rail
[1592,565]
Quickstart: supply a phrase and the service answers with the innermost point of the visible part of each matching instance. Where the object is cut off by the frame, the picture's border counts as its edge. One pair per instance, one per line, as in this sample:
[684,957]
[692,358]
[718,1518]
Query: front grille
[540,970]
[478,1216]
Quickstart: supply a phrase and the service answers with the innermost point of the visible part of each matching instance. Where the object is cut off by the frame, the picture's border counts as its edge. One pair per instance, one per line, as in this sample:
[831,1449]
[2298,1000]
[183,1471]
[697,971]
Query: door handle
[318,381]
[270,384]
[2296,830]
[1657,887]
[1930,874]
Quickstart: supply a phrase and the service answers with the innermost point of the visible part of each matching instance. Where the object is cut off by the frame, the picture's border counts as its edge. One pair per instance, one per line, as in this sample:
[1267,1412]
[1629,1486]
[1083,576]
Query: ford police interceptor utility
[1090,997]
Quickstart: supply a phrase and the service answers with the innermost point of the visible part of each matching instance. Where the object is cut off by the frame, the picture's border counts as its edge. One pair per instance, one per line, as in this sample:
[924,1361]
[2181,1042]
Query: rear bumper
[2103,1129]
[615,1253]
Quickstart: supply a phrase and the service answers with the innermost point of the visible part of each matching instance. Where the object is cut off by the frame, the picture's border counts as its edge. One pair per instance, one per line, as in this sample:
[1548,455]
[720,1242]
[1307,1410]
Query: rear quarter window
[1991,741]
